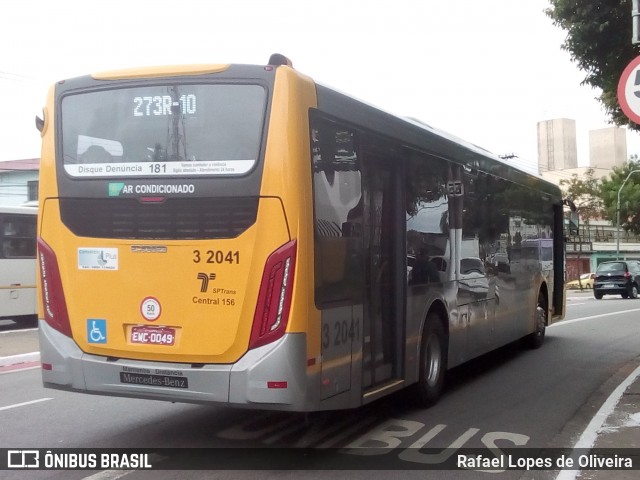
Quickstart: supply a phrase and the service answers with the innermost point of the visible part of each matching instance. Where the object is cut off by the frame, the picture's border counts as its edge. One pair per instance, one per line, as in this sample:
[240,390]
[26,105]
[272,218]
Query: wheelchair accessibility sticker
[96,330]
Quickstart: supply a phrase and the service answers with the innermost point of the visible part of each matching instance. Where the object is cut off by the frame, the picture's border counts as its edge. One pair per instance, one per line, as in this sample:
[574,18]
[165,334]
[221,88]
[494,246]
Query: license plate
[609,286]
[153,335]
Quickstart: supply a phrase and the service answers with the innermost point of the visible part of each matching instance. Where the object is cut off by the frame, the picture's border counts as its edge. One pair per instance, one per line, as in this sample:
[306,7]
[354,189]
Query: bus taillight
[274,298]
[53,301]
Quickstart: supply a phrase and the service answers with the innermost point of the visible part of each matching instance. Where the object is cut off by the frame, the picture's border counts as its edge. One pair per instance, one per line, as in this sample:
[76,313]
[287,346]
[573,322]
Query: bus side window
[427,218]
[18,237]
[337,187]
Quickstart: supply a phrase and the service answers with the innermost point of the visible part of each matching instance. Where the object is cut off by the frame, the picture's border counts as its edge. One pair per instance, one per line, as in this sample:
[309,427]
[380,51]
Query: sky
[486,72]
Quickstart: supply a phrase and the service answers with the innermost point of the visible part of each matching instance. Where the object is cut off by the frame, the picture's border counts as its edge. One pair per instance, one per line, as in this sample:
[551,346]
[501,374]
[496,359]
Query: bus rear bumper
[271,377]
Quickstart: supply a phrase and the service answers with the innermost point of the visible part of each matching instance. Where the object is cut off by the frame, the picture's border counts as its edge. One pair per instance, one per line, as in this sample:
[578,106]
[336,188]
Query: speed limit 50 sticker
[150,309]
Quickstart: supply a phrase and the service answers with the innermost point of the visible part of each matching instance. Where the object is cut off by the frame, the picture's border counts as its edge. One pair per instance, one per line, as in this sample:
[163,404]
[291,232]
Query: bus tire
[433,362]
[536,339]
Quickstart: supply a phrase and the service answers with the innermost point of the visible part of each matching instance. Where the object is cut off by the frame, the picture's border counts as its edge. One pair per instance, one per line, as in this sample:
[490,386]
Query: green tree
[599,41]
[585,194]
[629,195]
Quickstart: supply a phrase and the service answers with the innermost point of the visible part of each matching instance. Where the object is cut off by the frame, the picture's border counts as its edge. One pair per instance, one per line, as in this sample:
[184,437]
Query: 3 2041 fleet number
[335,334]
[216,256]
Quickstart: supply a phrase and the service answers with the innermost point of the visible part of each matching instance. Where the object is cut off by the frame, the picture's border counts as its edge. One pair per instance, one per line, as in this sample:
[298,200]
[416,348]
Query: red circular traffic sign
[150,309]
[629,90]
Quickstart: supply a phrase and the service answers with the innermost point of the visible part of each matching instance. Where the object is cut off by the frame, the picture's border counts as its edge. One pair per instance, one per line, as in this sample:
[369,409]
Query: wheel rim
[433,360]
[541,320]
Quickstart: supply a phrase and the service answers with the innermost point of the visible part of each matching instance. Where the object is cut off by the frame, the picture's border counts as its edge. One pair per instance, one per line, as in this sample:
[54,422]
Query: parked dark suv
[617,278]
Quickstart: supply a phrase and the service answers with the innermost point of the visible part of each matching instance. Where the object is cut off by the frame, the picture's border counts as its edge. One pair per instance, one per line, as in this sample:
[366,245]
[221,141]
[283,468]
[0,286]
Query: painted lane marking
[108,475]
[23,357]
[22,330]
[24,361]
[115,474]
[588,438]
[19,367]
[24,404]
[582,319]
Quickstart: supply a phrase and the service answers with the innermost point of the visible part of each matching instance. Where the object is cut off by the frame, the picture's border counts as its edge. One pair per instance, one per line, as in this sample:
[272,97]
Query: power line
[12,74]
[3,169]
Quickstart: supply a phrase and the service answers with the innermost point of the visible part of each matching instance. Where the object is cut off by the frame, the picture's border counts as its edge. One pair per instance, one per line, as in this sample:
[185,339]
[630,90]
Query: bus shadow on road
[7,325]
[488,364]
[198,426]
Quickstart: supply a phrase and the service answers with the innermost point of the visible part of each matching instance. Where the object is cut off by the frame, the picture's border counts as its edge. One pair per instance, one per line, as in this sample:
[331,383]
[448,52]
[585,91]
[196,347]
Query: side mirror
[574,223]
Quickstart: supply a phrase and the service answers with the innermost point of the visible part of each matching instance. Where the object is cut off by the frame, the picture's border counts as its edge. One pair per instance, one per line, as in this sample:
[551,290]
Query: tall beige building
[607,147]
[557,148]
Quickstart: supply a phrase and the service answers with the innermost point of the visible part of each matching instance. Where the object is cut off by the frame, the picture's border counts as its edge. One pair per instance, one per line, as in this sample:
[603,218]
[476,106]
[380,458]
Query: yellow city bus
[241,235]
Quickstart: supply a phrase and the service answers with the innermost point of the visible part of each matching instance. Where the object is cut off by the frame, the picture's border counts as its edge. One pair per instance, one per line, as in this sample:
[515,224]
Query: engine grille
[173,219]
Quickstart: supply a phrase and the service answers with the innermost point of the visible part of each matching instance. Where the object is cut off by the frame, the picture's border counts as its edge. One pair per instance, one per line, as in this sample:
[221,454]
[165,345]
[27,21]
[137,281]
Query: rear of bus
[170,236]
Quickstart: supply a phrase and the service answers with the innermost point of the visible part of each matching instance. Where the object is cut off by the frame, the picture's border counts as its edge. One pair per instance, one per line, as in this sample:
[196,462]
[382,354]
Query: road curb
[17,359]
[589,413]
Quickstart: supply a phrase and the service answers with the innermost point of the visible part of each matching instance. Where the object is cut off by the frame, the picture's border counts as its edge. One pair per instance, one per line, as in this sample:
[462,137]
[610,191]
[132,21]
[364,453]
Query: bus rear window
[163,130]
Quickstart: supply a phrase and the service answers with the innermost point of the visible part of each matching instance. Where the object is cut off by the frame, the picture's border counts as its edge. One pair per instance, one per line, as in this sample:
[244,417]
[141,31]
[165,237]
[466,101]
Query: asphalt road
[513,397]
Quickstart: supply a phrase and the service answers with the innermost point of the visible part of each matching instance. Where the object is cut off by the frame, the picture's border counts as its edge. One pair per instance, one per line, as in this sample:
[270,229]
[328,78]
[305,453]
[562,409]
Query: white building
[607,147]
[19,181]
[557,148]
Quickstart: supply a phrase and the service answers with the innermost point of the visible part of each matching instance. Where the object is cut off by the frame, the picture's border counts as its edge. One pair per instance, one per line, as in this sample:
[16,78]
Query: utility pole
[635,18]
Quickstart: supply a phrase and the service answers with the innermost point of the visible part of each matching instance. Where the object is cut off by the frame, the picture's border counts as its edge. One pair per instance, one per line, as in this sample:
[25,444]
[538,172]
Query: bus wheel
[536,339]
[433,362]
